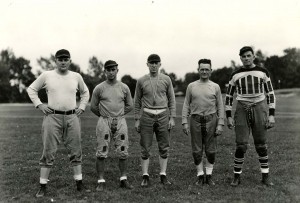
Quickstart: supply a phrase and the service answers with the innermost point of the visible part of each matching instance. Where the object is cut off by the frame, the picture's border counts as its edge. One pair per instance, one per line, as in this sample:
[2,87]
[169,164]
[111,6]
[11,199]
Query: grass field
[21,147]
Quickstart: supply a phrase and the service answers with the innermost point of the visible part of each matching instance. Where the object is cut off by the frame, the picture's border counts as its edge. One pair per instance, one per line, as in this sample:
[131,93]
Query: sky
[180,31]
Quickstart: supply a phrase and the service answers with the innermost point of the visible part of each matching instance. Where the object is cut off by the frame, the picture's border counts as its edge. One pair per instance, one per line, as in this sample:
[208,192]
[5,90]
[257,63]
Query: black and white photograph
[149,101]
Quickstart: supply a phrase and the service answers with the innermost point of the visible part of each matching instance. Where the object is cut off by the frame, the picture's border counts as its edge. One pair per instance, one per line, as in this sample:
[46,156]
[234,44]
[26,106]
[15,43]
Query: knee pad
[197,158]
[261,149]
[211,157]
[163,154]
[240,150]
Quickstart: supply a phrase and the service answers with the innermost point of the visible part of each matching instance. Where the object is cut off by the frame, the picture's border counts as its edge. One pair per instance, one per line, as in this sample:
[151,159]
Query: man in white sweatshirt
[61,122]
[203,102]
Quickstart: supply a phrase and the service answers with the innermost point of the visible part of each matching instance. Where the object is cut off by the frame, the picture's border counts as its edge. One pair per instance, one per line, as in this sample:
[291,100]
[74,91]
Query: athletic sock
[264,165]
[209,168]
[238,164]
[199,168]
[78,177]
[145,166]
[163,165]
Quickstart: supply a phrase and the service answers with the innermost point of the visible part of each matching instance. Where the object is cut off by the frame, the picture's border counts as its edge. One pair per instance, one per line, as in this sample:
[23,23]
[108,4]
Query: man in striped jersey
[253,86]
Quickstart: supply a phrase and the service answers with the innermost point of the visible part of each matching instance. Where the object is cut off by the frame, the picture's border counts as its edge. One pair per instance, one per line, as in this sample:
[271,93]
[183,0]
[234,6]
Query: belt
[63,112]
[154,111]
[203,118]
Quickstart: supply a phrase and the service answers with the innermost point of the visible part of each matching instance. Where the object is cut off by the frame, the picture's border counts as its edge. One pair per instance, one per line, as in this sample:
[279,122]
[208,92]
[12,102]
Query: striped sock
[238,164]
[264,165]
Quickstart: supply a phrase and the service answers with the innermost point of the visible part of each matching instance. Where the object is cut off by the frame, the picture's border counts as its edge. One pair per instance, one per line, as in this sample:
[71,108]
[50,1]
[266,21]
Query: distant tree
[221,77]
[17,71]
[95,74]
[4,79]
[191,77]
[291,59]
[47,63]
[96,68]
[130,82]
[188,78]
[172,76]
[277,71]
[285,70]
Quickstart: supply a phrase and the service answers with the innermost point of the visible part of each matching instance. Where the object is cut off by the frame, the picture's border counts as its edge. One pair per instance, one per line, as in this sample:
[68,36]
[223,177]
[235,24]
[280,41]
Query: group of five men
[154,113]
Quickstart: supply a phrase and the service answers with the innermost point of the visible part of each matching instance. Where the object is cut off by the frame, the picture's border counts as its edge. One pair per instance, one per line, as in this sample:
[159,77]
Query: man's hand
[78,111]
[271,122]
[45,109]
[219,130]
[137,126]
[171,123]
[185,128]
[230,123]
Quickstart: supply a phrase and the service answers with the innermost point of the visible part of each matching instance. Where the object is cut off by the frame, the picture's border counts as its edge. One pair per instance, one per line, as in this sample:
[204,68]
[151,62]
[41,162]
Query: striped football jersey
[252,85]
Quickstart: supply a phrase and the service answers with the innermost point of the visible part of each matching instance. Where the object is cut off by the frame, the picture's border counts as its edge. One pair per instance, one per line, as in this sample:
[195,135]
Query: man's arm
[95,101]
[171,104]
[228,103]
[84,93]
[137,100]
[137,106]
[220,106]
[33,90]
[128,100]
[220,111]
[171,99]
[186,105]
[186,110]
[271,101]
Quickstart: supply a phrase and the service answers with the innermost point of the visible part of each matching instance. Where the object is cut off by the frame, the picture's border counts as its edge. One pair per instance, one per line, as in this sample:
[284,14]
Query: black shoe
[200,180]
[42,191]
[209,180]
[265,180]
[236,180]
[125,184]
[100,187]
[81,187]
[164,180]
[146,181]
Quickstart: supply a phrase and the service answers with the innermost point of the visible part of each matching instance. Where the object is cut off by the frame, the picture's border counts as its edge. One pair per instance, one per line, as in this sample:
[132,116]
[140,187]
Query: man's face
[204,71]
[111,72]
[247,58]
[153,67]
[63,64]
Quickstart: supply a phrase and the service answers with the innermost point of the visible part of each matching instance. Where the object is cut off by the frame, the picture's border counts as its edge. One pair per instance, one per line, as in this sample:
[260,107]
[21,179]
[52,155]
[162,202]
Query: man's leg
[122,144]
[242,132]
[163,139]
[210,146]
[123,179]
[50,136]
[145,143]
[239,158]
[260,137]
[72,141]
[197,148]
[103,140]
[100,168]
[78,179]
[44,176]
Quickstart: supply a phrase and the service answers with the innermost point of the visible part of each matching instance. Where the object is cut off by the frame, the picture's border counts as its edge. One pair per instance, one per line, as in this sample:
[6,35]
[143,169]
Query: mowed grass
[21,146]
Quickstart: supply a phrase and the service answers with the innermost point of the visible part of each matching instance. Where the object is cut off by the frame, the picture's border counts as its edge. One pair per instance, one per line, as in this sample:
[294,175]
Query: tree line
[16,74]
